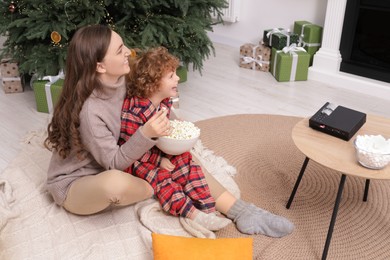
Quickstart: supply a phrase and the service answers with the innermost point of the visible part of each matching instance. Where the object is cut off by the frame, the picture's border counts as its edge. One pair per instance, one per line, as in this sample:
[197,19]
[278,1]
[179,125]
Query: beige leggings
[94,193]
[91,194]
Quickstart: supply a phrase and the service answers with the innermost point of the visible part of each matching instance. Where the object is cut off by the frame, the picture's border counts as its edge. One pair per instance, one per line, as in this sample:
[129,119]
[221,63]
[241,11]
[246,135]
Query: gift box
[279,38]
[12,84]
[175,102]
[256,57]
[290,64]
[181,72]
[310,37]
[268,33]
[9,68]
[47,94]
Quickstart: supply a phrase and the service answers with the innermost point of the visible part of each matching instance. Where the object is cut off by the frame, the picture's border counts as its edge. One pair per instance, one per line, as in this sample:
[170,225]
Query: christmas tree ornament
[55,37]
[12,7]
[133,53]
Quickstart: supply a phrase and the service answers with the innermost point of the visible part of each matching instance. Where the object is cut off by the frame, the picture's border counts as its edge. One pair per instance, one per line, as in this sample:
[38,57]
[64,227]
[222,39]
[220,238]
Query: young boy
[179,184]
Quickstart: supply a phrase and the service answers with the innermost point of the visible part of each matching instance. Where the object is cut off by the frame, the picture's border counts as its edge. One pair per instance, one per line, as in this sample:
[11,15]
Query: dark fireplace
[365,40]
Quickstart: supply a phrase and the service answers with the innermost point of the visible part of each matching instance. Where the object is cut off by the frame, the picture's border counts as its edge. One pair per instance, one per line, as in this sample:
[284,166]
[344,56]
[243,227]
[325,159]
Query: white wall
[259,15]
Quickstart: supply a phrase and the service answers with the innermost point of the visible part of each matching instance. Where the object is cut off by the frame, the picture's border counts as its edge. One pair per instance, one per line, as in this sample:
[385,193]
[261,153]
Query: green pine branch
[179,25]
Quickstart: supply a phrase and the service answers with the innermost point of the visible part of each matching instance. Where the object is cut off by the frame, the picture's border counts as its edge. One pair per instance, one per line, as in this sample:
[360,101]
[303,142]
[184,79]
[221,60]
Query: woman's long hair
[87,47]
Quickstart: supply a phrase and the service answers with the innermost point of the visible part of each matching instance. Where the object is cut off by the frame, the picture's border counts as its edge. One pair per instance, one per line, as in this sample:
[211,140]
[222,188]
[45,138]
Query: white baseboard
[225,40]
[352,82]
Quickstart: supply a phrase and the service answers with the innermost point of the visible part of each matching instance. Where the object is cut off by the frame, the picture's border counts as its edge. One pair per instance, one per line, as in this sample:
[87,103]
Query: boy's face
[168,85]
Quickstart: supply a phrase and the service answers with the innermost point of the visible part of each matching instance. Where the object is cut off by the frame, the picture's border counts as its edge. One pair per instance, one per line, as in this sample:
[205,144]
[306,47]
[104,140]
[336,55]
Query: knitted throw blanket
[32,226]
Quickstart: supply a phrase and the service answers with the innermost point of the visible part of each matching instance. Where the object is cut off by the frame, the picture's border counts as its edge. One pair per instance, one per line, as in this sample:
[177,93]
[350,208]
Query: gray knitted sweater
[100,120]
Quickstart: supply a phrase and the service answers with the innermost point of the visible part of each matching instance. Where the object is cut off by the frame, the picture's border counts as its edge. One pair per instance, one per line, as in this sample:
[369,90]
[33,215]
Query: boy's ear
[100,67]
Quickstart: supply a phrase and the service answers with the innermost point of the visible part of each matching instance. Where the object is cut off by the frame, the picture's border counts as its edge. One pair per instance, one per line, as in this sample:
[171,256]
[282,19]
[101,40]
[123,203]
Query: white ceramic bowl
[183,137]
[371,160]
[175,146]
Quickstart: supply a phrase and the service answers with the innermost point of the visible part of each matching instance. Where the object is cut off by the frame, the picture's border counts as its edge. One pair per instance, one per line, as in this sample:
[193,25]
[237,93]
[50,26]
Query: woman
[85,174]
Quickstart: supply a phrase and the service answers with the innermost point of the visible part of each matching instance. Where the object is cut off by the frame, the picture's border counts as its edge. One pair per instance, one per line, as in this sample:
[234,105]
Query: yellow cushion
[166,247]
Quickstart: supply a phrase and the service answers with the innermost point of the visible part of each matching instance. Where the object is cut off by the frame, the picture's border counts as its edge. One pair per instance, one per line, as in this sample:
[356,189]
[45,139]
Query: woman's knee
[122,188]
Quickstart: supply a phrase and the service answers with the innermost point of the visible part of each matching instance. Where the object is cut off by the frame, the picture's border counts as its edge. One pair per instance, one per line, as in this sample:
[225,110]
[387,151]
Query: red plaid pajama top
[179,192]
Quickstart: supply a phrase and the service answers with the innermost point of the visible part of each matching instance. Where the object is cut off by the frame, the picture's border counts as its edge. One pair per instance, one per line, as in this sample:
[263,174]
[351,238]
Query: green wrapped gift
[290,64]
[279,38]
[181,71]
[47,94]
[310,36]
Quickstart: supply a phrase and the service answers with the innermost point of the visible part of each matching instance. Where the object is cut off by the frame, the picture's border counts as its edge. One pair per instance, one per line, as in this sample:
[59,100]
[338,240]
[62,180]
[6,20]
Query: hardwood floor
[223,89]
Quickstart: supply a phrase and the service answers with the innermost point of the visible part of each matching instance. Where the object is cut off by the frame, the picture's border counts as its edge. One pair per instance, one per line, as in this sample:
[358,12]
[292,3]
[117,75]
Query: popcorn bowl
[183,137]
[174,146]
[372,151]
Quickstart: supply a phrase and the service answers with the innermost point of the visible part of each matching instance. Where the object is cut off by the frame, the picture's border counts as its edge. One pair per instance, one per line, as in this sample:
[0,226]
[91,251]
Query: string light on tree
[12,7]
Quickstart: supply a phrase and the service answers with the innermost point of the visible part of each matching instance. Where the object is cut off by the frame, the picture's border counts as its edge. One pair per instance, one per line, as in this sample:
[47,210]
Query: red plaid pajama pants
[180,191]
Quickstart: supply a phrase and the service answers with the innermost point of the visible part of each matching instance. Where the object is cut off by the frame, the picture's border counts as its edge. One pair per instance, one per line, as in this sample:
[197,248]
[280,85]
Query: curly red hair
[147,70]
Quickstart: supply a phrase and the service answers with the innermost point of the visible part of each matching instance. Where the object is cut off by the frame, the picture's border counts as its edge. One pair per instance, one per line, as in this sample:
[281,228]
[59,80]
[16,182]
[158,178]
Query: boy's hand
[166,164]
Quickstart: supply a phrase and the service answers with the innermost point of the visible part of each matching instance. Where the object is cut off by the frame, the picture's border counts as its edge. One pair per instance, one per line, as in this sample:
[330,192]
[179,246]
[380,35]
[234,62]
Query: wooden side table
[339,155]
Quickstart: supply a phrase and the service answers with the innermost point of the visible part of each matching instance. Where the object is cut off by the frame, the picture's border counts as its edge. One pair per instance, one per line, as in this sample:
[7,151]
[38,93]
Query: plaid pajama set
[180,191]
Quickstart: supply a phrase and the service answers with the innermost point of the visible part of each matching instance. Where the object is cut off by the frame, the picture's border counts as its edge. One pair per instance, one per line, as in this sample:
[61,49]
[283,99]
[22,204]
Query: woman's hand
[167,164]
[158,125]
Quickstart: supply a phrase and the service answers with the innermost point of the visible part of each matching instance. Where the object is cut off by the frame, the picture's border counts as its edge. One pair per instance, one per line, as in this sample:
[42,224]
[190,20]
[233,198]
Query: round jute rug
[268,163]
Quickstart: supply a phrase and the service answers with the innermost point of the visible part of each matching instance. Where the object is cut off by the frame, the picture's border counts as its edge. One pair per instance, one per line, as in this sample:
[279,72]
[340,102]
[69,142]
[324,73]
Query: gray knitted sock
[253,220]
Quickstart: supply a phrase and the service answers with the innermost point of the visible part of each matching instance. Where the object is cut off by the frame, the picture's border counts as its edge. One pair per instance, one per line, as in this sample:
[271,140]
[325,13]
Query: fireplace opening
[365,40]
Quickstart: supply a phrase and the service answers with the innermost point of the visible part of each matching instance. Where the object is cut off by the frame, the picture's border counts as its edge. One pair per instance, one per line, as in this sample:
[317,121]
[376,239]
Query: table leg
[366,190]
[334,215]
[297,183]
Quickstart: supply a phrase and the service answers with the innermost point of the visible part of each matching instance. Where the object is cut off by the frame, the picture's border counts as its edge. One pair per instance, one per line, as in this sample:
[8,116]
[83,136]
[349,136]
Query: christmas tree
[38,31]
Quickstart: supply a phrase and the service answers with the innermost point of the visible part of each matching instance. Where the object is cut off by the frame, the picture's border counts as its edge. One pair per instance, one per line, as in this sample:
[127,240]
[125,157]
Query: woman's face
[115,64]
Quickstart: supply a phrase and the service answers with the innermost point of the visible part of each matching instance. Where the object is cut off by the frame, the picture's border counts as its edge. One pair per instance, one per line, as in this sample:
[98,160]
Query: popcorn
[373,151]
[183,130]
[373,143]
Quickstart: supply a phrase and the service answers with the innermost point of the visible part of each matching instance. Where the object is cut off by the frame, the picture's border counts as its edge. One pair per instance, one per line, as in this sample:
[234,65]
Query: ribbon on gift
[259,60]
[247,60]
[52,80]
[10,79]
[277,30]
[306,44]
[302,35]
[301,42]
[292,49]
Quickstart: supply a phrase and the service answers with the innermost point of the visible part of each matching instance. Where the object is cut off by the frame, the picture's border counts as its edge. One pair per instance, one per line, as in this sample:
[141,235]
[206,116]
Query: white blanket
[33,227]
